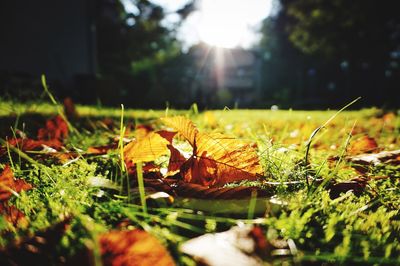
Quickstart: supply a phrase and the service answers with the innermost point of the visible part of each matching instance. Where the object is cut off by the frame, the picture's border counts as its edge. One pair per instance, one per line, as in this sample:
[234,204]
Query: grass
[350,229]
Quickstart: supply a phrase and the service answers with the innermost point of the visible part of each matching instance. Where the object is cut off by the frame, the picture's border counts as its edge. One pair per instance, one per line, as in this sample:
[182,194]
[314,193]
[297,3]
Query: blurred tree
[324,53]
[361,37]
[132,47]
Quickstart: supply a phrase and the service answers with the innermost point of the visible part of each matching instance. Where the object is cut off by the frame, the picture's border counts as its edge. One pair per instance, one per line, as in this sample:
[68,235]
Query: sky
[222,23]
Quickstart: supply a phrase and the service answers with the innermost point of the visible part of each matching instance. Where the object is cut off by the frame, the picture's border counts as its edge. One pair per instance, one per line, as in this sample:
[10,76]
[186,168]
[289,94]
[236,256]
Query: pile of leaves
[166,192]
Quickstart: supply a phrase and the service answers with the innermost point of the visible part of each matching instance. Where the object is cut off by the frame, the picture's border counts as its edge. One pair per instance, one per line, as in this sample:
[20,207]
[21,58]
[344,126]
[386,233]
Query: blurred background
[303,54]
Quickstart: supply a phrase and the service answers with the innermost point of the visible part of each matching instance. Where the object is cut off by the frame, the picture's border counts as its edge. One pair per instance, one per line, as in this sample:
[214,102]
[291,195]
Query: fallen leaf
[362,145]
[70,110]
[363,162]
[150,170]
[356,185]
[133,247]
[389,157]
[176,160]
[217,159]
[184,126]
[99,150]
[142,131]
[26,144]
[148,148]
[8,185]
[56,128]
[13,216]
[234,247]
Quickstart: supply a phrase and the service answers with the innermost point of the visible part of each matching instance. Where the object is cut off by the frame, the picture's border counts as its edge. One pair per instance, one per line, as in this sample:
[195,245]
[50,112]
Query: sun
[230,23]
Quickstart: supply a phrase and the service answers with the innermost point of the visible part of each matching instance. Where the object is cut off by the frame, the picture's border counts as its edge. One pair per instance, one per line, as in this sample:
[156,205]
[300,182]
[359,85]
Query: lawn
[108,185]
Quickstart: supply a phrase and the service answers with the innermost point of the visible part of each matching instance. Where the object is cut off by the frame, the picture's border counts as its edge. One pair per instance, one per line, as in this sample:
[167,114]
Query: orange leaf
[176,160]
[229,159]
[8,184]
[147,149]
[362,145]
[102,149]
[31,144]
[217,159]
[133,247]
[70,110]
[56,128]
[13,216]
[184,126]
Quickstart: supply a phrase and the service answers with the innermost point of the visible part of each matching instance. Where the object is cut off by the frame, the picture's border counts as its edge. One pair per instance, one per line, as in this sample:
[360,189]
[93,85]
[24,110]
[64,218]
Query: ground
[322,186]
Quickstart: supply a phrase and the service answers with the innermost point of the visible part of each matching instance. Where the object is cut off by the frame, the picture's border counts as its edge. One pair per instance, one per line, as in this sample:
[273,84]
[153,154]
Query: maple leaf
[8,185]
[217,159]
[133,247]
[149,147]
[56,128]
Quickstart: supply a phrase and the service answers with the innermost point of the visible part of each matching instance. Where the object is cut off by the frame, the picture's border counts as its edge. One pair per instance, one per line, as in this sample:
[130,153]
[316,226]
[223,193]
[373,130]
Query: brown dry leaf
[32,145]
[13,215]
[176,160]
[56,128]
[150,170]
[362,162]
[8,185]
[133,247]
[356,185]
[217,159]
[362,145]
[99,150]
[147,149]
[70,110]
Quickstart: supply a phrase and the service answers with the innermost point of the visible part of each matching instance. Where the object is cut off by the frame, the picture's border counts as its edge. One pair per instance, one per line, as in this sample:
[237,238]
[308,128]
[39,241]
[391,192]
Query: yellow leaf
[184,126]
[148,148]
